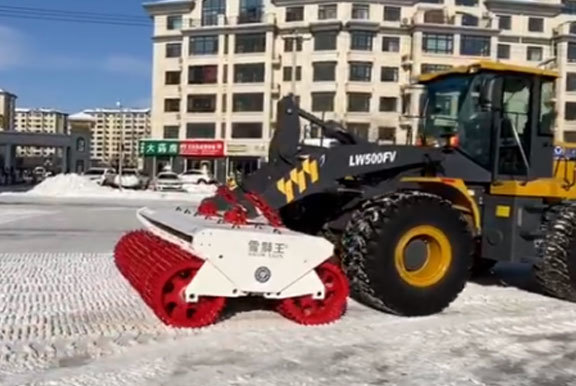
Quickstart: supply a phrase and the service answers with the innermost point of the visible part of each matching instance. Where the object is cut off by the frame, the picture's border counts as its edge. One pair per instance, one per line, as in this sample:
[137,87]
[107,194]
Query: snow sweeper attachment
[186,266]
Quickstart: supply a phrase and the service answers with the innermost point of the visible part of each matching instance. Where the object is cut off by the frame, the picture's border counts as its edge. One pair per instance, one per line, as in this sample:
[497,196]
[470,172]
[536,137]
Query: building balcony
[443,17]
[219,21]
[565,29]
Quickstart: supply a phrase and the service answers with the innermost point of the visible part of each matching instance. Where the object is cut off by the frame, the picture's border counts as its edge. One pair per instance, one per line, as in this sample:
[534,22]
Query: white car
[131,179]
[197,177]
[167,181]
[102,176]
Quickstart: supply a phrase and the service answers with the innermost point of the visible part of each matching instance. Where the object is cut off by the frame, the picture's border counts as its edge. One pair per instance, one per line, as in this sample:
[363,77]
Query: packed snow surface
[75,186]
[72,319]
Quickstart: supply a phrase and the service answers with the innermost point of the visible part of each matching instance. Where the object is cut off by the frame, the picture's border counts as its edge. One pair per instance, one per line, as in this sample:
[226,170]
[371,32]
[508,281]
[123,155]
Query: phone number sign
[202,148]
[150,148]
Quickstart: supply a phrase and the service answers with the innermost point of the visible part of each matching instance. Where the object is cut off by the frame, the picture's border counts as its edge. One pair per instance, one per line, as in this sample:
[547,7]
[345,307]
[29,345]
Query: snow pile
[69,184]
[75,186]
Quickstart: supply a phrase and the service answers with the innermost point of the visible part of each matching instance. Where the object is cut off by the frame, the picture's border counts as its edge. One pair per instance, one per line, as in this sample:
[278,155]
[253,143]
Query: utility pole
[121,155]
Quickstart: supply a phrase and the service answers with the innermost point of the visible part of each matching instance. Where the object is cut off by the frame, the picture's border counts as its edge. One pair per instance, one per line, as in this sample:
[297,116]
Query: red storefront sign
[202,148]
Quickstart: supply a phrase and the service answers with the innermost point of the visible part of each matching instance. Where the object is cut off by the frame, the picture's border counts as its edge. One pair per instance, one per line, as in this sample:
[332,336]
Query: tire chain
[360,229]
[551,271]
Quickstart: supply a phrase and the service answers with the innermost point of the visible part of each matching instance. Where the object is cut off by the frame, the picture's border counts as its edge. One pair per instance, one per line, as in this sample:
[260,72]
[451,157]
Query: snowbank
[75,186]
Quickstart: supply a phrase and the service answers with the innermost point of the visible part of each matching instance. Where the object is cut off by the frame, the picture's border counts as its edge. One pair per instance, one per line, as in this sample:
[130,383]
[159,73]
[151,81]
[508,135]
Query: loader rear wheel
[408,253]
[556,269]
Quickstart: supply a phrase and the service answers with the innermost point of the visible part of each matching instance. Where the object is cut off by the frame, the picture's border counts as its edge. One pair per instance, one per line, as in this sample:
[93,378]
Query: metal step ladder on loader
[407,225]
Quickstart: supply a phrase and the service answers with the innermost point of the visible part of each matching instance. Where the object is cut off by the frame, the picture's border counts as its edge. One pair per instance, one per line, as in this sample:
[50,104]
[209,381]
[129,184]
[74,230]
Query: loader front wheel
[408,253]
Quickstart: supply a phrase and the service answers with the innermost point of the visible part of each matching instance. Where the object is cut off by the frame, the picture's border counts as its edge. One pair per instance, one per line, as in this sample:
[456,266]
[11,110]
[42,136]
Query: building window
[200,130]
[324,71]
[389,74]
[571,81]
[438,43]
[570,111]
[171,105]
[246,43]
[248,102]
[386,135]
[202,103]
[327,11]
[203,45]
[361,11]
[202,74]
[504,22]
[211,9]
[569,7]
[503,51]
[287,73]
[323,101]
[174,22]
[250,11]
[360,71]
[392,13]
[247,130]
[469,20]
[388,104]
[324,41]
[289,44]
[533,54]
[427,68]
[571,52]
[295,13]
[390,44]
[361,40]
[173,50]
[359,101]
[360,130]
[475,45]
[249,73]
[535,24]
[467,3]
[171,132]
[172,77]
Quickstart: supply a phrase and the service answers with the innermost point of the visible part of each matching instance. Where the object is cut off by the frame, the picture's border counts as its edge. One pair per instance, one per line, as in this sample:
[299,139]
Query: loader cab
[500,117]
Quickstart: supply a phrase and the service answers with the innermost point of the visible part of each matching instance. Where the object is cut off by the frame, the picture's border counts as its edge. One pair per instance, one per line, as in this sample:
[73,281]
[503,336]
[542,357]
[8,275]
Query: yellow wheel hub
[428,244]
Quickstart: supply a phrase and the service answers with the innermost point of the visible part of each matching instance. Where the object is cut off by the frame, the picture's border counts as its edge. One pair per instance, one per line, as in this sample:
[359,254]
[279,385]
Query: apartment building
[221,65]
[7,110]
[40,121]
[112,128]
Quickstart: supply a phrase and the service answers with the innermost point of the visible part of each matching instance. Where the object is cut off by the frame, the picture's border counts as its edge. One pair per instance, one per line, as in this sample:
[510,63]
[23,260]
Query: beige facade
[7,110]
[221,65]
[40,121]
[113,127]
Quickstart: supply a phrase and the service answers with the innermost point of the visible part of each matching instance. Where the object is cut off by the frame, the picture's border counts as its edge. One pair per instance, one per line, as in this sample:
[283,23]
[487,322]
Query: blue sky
[72,66]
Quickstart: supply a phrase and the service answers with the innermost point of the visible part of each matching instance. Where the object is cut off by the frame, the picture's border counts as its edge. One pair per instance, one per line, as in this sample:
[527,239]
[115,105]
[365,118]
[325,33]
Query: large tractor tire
[407,253]
[556,269]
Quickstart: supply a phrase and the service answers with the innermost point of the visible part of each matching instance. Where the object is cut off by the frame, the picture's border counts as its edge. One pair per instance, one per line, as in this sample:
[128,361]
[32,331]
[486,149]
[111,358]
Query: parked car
[167,181]
[102,176]
[131,179]
[197,176]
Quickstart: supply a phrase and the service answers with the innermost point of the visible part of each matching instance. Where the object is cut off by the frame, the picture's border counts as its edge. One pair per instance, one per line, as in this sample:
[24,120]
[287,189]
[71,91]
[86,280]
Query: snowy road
[69,318]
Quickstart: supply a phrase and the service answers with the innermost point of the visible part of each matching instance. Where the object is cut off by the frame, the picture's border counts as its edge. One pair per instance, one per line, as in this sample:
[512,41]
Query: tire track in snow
[65,317]
[13,215]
